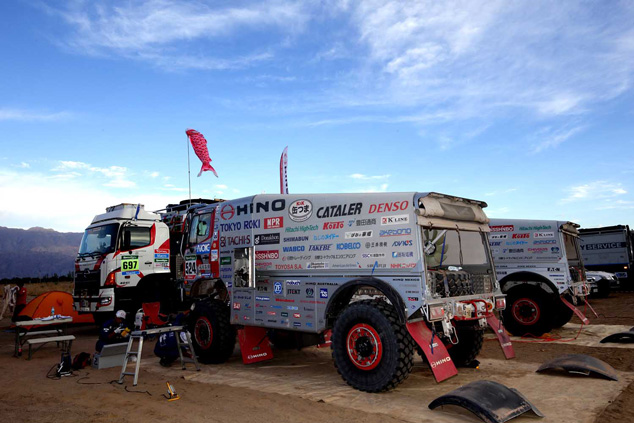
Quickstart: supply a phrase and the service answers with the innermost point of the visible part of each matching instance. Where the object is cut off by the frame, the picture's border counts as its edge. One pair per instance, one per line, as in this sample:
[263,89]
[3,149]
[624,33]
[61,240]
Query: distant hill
[37,252]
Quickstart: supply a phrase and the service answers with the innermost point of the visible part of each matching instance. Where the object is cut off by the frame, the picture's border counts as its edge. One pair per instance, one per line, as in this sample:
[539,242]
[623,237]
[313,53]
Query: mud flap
[492,402]
[620,337]
[254,345]
[578,312]
[327,340]
[585,300]
[439,360]
[581,364]
[503,337]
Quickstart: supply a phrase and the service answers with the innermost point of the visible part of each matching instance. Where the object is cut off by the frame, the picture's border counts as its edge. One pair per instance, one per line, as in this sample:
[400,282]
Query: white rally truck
[123,260]
[384,273]
[539,266]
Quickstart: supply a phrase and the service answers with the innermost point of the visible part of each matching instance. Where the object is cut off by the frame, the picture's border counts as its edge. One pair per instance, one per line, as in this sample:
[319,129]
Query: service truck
[540,269]
[609,249]
[376,276]
[383,273]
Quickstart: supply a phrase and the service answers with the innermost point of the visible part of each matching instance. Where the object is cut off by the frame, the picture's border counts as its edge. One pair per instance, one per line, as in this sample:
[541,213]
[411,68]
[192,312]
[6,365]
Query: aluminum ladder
[139,335]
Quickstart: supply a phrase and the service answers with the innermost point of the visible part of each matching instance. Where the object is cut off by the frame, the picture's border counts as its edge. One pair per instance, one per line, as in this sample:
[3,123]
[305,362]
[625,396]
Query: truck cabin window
[571,243]
[135,237]
[199,229]
[99,240]
[444,248]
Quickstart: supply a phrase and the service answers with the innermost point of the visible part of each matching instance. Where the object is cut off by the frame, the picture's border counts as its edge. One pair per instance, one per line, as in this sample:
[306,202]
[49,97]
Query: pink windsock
[199,143]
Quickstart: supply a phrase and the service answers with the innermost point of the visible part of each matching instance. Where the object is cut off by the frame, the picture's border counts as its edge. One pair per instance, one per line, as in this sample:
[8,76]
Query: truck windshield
[444,248]
[571,243]
[99,240]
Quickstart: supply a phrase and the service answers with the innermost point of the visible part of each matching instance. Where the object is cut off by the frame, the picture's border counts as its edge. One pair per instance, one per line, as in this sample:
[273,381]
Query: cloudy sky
[526,105]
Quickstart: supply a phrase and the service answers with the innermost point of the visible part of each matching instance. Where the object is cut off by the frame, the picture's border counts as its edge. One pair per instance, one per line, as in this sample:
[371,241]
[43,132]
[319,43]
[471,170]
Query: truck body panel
[609,249]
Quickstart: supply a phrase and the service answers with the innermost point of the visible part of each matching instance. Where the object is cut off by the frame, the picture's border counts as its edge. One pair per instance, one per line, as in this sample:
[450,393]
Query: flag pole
[189,175]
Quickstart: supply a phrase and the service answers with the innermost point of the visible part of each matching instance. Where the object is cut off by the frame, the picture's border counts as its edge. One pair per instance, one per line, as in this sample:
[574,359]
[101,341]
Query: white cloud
[23,165]
[500,192]
[362,177]
[117,176]
[221,186]
[379,188]
[21,115]
[549,138]
[594,191]
[153,175]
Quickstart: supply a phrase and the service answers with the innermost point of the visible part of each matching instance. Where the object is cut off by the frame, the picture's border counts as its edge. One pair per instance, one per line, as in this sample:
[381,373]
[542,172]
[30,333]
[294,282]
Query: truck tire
[470,340]
[371,349]
[563,314]
[529,311]
[213,336]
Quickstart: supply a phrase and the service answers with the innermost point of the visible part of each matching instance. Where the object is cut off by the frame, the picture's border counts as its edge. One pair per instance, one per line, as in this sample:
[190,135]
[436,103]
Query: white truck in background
[539,266]
[609,249]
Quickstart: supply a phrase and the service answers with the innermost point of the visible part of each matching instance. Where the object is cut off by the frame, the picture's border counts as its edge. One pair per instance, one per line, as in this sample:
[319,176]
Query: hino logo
[252,356]
[439,362]
[228,211]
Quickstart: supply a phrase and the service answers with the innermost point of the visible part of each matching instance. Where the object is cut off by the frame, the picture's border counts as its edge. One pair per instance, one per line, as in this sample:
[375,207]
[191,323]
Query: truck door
[137,255]
[201,258]
[243,292]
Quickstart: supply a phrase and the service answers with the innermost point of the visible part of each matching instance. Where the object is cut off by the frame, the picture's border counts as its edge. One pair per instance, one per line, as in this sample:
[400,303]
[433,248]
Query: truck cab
[123,255]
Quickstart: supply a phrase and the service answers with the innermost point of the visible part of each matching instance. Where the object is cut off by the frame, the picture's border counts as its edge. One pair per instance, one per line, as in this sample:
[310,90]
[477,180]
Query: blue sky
[526,105]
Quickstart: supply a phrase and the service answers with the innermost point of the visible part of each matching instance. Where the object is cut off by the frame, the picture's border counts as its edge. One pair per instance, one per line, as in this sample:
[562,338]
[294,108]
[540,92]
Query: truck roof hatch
[444,211]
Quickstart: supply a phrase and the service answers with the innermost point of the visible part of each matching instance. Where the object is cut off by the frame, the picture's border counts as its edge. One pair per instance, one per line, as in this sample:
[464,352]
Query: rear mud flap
[578,312]
[620,337]
[585,300]
[492,402]
[439,360]
[254,345]
[581,364]
[503,337]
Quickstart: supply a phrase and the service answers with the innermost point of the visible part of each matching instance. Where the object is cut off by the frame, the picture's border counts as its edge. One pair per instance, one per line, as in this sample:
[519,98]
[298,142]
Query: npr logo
[274,222]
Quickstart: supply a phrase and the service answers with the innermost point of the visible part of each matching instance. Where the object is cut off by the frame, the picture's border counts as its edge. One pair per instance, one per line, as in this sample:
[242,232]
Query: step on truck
[378,276]
[609,249]
[540,269]
[123,260]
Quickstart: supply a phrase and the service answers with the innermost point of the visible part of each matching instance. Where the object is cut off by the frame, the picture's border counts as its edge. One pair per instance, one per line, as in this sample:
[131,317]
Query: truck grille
[459,284]
[87,282]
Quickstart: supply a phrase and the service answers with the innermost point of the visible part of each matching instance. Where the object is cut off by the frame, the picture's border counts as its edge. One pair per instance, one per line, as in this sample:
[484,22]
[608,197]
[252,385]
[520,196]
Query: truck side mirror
[127,240]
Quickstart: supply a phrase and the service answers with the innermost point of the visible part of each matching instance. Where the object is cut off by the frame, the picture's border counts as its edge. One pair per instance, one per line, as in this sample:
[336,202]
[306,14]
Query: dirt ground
[276,391]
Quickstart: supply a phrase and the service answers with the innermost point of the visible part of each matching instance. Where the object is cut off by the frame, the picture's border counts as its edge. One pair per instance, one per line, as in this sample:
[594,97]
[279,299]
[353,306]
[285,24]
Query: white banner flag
[283,177]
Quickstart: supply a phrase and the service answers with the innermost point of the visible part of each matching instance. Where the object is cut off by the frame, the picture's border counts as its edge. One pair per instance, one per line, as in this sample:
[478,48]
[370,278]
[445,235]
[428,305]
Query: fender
[528,277]
[344,293]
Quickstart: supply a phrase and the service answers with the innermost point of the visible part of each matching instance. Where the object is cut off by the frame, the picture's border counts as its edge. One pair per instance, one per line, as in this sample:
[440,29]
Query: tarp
[41,305]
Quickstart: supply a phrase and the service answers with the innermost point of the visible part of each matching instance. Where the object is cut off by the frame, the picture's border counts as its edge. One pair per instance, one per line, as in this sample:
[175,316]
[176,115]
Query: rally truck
[123,260]
[609,249]
[540,269]
[377,276]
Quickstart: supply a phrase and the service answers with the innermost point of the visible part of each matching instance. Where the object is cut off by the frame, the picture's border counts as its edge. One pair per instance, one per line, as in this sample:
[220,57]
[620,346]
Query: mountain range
[37,252]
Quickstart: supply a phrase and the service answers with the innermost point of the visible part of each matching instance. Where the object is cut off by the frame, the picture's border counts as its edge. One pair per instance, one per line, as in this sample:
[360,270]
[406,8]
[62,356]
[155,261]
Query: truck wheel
[529,311]
[563,314]
[371,349]
[470,340]
[213,336]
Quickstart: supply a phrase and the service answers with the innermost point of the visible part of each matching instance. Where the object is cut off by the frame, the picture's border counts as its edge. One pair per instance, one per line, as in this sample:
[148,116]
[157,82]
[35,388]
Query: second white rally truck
[540,269]
[379,275]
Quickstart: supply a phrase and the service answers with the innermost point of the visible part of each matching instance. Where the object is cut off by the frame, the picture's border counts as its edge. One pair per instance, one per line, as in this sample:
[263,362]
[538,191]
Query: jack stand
[171,393]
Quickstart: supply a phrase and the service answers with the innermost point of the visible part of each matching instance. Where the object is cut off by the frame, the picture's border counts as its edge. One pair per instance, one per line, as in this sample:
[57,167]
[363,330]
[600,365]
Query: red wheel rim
[526,311]
[364,346]
[203,333]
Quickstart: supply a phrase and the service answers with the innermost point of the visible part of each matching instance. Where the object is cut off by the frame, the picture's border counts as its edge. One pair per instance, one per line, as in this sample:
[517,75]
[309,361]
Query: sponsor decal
[288,267]
[395,232]
[535,228]
[267,239]
[274,222]
[284,314]
[373,255]
[225,260]
[292,308]
[310,292]
[364,222]
[498,236]
[544,241]
[348,246]
[277,288]
[435,364]
[251,224]
[402,254]
[323,292]
[300,210]
[602,246]
[309,325]
[293,249]
[261,298]
[304,228]
[404,243]
[402,265]
[332,225]
[516,250]
[297,315]
[521,236]
[554,249]
[374,244]
[334,256]
[297,324]
[271,313]
[325,237]
[227,212]
[267,255]
[317,265]
[539,235]
[388,207]
[292,291]
[554,269]
[502,228]
[230,241]
[538,250]
[516,242]
[320,247]
[284,300]
[339,210]
[296,239]
[495,244]
[414,299]
[293,282]
[399,219]
[236,306]
[358,234]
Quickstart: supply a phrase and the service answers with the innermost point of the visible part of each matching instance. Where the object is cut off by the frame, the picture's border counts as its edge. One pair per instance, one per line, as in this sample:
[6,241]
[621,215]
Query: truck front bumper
[90,304]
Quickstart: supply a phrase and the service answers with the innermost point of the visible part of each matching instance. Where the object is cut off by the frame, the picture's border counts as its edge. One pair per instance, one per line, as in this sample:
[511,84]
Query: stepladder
[138,337]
